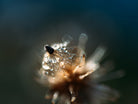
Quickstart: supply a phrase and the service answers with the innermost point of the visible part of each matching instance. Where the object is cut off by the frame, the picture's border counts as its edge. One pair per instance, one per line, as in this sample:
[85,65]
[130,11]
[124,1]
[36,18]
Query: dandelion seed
[71,79]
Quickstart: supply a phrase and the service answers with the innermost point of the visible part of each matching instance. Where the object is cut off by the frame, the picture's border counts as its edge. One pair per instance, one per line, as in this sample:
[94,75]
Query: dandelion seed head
[67,73]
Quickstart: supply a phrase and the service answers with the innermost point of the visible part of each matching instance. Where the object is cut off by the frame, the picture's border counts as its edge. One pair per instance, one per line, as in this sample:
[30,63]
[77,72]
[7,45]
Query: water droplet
[46,73]
[65,51]
[51,69]
[46,67]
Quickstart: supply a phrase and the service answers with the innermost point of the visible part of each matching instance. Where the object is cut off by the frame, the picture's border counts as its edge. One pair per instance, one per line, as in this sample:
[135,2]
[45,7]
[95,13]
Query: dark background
[27,25]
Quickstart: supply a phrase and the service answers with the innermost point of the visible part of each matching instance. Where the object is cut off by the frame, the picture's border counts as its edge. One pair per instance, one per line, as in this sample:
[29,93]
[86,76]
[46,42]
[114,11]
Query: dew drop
[46,67]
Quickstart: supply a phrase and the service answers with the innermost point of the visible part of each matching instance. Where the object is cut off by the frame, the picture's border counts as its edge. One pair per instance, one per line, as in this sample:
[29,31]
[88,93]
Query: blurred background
[27,25]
